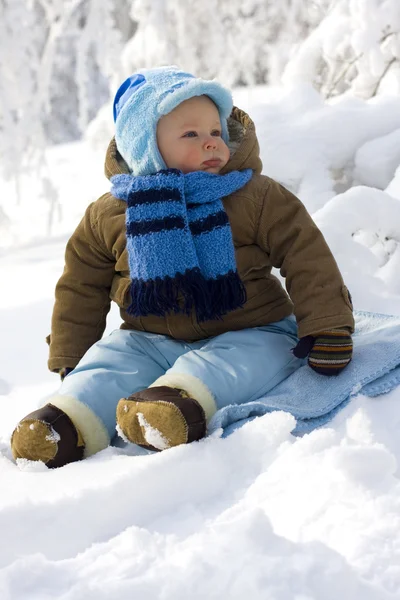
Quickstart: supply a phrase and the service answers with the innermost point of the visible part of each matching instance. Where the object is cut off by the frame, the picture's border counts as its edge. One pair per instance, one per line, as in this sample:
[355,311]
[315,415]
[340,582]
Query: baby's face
[189,137]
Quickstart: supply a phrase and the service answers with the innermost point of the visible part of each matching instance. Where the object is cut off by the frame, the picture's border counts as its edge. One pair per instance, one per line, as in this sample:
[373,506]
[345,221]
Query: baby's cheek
[226,153]
[194,156]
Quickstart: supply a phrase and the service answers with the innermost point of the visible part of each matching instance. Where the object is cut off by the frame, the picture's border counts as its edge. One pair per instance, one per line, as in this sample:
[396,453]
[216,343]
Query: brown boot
[161,417]
[48,435]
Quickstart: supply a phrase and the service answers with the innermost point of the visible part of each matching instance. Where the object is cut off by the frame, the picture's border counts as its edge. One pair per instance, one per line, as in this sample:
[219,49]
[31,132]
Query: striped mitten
[329,352]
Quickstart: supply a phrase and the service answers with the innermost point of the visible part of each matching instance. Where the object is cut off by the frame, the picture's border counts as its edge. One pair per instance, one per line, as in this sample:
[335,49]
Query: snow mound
[252,514]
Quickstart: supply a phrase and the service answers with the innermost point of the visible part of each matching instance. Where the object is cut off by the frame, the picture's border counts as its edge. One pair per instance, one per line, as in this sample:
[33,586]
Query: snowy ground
[260,514]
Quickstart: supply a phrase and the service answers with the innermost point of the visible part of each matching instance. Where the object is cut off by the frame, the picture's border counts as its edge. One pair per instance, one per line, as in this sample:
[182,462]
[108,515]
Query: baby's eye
[216,133]
[190,134]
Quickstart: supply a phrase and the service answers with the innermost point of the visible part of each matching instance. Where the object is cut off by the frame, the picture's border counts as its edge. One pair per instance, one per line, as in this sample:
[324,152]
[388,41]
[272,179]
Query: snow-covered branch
[355,48]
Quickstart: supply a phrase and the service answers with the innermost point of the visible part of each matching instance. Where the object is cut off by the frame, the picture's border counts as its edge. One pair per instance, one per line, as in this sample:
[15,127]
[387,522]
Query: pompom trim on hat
[221,97]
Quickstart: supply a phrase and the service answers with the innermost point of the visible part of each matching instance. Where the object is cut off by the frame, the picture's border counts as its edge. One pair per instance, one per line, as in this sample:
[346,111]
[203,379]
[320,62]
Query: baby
[184,244]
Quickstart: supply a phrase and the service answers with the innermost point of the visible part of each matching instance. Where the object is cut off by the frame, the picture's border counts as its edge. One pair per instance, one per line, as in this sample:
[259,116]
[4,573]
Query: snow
[260,514]
[355,47]
[376,161]
[153,436]
[53,436]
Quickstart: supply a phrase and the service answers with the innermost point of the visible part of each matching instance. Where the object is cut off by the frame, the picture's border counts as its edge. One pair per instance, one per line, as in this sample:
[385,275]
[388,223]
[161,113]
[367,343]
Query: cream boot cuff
[94,434]
[192,386]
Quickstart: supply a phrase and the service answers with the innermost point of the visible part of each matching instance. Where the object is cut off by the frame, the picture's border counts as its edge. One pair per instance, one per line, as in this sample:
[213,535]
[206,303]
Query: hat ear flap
[125,91]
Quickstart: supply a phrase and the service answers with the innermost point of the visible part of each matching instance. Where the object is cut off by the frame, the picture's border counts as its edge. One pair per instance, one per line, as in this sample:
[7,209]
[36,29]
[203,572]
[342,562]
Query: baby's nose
[210,142]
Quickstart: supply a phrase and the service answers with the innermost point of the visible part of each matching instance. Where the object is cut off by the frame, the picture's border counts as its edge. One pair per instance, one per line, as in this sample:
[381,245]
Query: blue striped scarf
[179,242]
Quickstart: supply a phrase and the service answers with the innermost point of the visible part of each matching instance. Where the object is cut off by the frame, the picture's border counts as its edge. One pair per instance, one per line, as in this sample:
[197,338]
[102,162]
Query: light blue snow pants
[237,366]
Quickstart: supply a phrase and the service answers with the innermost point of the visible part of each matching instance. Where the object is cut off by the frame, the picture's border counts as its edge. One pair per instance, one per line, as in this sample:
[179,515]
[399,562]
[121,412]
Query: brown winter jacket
[270,228]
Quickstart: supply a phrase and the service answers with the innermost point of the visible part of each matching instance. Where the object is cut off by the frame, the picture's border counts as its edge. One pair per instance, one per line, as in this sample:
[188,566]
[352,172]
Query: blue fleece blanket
[314,399]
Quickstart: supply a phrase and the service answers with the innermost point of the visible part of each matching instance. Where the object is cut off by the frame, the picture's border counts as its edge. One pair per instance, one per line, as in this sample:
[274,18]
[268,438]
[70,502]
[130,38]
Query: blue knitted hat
[144,98]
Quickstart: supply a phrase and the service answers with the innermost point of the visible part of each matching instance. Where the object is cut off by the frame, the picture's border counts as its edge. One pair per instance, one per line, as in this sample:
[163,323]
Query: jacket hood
[243,145]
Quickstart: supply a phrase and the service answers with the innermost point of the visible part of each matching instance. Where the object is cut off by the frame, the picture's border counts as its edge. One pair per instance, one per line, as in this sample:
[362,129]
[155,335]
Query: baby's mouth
[213,162]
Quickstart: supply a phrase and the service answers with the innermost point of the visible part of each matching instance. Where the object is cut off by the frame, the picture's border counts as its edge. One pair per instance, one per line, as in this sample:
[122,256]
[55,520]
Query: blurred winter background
[261,514]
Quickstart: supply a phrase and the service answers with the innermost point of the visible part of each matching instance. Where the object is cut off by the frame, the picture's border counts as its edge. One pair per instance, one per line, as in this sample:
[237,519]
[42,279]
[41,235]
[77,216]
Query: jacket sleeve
[297,247]
[82,295]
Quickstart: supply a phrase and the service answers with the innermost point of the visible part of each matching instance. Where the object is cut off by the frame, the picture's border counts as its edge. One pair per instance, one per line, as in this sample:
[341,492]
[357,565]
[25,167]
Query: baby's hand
[329,352]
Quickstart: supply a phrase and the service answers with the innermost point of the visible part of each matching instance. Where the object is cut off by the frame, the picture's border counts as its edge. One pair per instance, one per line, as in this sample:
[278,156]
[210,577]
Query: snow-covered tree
[98,64]
[20,61]
[355,48]
[53,78]
[239,41]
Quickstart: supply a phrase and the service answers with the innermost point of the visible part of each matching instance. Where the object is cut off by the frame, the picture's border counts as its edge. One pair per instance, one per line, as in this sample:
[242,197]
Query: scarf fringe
[210,298]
